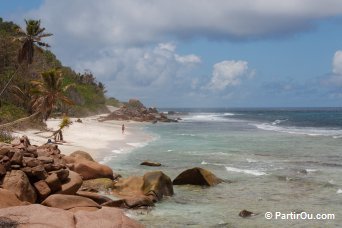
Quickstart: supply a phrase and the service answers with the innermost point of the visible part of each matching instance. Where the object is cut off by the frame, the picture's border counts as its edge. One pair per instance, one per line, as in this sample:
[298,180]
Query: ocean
[287,161]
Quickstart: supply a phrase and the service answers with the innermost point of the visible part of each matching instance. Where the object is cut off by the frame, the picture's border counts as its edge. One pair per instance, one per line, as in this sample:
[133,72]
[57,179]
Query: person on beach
[123,128]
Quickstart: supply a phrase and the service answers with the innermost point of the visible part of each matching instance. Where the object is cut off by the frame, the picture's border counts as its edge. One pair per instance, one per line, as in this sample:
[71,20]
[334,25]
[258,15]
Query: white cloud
[142,71]
[335,79]
[188,59]
[227,73]
[337,63]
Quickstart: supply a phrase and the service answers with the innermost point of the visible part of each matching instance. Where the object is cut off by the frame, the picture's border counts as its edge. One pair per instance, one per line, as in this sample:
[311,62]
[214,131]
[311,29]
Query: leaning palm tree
[30,39]
[49,92]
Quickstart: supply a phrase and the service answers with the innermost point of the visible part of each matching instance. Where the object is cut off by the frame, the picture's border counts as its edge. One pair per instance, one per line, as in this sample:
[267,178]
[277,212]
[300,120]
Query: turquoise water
[268,166]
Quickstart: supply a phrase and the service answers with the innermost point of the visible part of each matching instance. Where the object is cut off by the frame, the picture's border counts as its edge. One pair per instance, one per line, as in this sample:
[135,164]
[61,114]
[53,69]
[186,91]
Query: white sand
[97,138]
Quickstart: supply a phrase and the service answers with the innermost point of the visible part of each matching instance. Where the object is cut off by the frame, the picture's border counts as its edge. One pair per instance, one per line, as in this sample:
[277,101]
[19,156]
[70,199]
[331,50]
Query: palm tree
[30,40]
[65,122]
[49,92]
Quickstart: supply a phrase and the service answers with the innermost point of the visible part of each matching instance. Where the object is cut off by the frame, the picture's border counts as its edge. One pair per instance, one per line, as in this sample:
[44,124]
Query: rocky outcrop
[35,172]
[197,176]
[136,111]
[36,215]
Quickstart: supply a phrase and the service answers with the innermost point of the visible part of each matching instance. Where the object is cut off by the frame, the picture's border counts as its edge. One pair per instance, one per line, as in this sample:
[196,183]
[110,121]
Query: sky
[199,53]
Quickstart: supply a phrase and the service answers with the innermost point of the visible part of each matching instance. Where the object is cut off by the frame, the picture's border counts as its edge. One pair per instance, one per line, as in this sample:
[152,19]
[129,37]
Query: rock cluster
[32,172]
[41,174]
[136,111]
[68,186]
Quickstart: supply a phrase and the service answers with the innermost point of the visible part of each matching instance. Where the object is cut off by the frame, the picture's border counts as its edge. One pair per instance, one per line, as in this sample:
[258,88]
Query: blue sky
[187,53]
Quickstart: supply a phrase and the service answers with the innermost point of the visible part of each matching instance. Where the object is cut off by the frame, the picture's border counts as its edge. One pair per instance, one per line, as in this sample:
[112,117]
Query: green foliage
[5,136]
[113,102]
[88,95]
[65,122]
[10,112]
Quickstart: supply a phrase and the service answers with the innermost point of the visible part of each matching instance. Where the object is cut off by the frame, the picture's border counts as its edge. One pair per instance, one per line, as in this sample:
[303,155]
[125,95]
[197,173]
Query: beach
[100,139]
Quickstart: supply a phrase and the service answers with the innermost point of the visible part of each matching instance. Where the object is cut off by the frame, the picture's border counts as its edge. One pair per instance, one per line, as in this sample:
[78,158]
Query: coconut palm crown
[49,92]
[31,38]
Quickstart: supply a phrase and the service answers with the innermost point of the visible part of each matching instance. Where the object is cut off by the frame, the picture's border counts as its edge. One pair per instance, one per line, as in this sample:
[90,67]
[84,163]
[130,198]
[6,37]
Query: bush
[5,136]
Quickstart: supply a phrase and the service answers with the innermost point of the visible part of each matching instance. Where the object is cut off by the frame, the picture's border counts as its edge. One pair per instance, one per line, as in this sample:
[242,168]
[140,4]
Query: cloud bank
[127,43]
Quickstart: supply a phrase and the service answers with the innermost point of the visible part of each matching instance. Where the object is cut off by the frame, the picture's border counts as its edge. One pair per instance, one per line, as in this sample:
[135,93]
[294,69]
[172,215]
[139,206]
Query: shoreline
[102,140]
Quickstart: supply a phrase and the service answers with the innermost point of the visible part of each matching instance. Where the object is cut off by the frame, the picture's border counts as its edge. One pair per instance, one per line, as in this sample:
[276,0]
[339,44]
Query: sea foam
[247,171]
[299,130]
[138,144]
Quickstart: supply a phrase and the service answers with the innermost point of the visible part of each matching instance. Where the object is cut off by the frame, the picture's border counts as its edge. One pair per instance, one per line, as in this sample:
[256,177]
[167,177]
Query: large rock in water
[155,184]
[9,199]
[17,182]
[158,184]
[197,176]
[39,216]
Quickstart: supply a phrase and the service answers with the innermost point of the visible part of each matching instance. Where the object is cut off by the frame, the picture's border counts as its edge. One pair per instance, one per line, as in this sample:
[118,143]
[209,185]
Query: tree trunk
[6,125]
[9,81]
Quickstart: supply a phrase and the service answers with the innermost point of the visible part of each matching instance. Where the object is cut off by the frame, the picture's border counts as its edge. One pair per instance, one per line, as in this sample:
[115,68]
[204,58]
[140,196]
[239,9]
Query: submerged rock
[150,163]
[245,214]
[197,176]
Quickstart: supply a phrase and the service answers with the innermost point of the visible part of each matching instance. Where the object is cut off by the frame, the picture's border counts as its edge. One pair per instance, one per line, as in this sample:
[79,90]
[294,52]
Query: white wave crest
[138,144]
[300,130]
[210,117]
[107,159]
[247,171]
[119,151]
[278,122]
